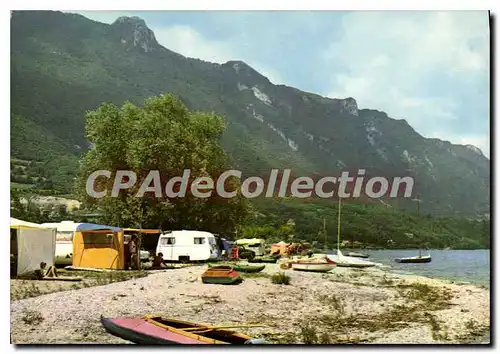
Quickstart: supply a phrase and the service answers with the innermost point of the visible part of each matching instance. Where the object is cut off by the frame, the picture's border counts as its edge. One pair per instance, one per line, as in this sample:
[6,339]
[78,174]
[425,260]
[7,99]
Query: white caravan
[186,245]
[64,240]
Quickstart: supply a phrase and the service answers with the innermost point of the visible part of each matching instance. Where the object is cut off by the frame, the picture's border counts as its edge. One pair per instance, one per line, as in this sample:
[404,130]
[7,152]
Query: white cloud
[388,59]
[188,42]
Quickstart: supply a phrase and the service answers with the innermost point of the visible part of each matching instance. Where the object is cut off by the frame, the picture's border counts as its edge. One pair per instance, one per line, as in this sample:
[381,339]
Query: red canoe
[157,330]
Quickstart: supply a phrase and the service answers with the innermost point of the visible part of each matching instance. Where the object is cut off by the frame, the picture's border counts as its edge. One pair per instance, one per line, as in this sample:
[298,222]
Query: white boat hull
[313,267]
[353,262]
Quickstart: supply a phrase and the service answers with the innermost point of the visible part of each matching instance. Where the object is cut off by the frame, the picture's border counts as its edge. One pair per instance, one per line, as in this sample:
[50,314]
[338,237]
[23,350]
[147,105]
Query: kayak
[221,275]
[245,268]
[157,330]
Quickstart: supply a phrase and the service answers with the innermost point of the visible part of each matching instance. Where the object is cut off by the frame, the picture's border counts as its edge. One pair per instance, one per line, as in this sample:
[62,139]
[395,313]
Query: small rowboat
[323,264]
[157,330]
[263,259]
[357,255]
[245,268]
[221,275]
[418,259]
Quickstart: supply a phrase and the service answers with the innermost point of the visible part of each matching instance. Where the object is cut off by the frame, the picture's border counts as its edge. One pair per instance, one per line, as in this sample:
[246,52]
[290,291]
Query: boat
[221,275]
[358,255]
[313,264]
[351,262]
[157,330]
[417,259]
[347,261]
[263,259]
[245,268]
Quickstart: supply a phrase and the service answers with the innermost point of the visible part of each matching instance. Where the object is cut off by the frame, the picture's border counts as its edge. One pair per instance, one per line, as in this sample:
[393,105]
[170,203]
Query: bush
[32,317]
[308,334]
[280,278]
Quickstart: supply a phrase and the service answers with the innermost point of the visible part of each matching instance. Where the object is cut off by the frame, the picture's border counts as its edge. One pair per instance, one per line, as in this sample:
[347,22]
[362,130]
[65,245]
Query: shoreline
[347,305]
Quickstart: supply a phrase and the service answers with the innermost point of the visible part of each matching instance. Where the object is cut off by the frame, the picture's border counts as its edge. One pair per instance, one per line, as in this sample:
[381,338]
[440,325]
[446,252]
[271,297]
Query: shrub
[280,278]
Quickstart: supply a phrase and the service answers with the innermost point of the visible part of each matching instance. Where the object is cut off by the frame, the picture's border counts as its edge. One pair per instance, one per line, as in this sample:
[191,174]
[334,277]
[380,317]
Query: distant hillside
[64,64]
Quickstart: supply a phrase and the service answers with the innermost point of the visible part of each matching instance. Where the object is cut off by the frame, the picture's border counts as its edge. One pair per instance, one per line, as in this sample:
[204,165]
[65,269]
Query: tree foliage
[162,136]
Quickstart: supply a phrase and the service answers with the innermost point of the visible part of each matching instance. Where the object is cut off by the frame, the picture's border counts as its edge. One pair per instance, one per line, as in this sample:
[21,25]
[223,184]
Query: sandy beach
[344,306]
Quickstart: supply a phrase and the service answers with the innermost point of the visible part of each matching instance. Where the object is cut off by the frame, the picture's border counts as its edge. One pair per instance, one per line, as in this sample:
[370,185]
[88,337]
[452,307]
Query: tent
[30,244]
[281,248]
[249,241]
[98,246]
[149,237]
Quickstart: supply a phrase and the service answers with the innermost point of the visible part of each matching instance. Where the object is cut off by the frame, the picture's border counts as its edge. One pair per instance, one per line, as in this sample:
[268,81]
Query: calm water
[458,265]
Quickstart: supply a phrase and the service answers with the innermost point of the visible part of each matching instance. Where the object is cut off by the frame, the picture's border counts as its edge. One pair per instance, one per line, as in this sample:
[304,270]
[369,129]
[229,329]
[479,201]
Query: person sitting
[42,273]
[158,261]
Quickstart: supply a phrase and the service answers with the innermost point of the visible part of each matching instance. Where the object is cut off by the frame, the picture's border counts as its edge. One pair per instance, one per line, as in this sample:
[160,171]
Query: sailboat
[419,259]
[346,261]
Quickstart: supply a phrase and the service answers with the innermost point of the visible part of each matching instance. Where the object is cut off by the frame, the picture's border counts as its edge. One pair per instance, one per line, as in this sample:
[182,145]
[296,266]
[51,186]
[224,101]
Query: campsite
[323,306]
[201,185]
[345,306]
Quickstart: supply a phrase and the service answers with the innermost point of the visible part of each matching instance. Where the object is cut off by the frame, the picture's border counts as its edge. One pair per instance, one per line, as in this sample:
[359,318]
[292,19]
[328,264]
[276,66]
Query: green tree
[161,136]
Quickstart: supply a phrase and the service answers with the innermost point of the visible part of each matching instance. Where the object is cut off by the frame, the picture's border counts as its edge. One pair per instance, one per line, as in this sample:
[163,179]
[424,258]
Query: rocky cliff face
[133,31]
[269,126]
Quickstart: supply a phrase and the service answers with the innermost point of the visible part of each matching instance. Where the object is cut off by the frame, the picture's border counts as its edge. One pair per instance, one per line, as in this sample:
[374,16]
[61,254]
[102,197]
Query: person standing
[132,247]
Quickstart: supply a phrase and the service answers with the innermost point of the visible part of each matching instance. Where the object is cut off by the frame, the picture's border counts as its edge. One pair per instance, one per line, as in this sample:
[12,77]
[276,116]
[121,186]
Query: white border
[202,5]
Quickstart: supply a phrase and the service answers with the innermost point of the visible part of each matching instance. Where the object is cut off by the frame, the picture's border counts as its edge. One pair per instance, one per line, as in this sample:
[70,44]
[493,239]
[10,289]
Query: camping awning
[21,223]
[245,241]
[95,227]
[144,231]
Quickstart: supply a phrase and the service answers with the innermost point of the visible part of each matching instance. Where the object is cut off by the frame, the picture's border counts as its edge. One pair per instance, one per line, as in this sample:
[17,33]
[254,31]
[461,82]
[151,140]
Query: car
[144,255]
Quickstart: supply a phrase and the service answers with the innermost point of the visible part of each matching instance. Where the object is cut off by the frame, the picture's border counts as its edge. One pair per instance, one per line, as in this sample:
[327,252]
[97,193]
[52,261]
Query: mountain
[65,64]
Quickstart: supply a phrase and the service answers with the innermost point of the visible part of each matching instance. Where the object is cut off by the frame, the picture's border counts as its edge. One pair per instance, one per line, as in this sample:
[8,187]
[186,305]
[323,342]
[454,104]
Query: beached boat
[417,259]
[347,261]
[314,264]
[157,330]
[351,262]
[221,275]
[263,259]
[244,268]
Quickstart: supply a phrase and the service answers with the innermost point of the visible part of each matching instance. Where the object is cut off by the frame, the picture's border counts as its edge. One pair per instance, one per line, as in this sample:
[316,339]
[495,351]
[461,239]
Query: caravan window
[165,241]
[98,239]
[62,236]
[199,240]
[211,240]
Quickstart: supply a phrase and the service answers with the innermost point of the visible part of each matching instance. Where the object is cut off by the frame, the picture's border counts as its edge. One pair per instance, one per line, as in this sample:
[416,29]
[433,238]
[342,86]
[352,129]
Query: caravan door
[166,245]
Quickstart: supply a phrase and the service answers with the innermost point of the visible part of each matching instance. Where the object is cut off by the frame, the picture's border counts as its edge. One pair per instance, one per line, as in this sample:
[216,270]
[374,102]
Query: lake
[458,265]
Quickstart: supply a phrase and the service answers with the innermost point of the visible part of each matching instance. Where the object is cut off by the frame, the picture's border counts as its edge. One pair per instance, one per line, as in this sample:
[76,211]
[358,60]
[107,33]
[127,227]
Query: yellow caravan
[98,246]
[30,244]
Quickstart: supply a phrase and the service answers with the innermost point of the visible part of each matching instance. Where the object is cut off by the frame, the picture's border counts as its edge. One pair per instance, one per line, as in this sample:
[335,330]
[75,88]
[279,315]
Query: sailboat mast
[338,227]
[324,231]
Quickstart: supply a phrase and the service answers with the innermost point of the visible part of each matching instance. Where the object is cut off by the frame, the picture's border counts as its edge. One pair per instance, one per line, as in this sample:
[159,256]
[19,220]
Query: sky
[430,68]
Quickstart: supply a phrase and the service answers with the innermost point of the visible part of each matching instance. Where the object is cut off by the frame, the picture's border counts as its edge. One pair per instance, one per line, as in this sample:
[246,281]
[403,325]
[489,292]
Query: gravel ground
[347,305]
